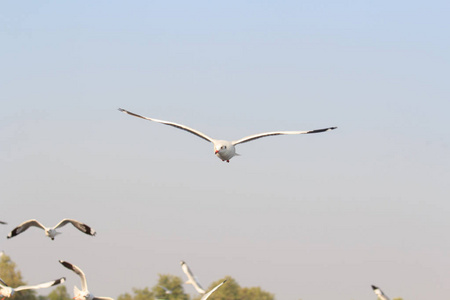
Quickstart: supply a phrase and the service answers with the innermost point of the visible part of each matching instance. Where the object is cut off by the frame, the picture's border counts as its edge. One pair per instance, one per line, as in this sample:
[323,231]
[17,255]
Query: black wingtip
[58,281]
[66,264]
[374,287]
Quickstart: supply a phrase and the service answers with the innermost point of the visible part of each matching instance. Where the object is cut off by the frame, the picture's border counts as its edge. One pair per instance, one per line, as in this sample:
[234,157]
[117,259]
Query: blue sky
[312,217]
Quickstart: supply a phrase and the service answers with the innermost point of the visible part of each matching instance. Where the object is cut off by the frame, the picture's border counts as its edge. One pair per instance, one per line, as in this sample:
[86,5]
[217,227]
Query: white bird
[51,232]
[84,293]
[166,290]
[191,278]
[205,296]
[225,150]
[379,293]
[6,291]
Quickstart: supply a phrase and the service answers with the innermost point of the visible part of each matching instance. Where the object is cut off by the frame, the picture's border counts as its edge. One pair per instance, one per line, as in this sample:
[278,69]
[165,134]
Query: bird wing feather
[261,135]
[179,126]
[205,296]
[41,286]
[24,226]
[78,271]
[80,226]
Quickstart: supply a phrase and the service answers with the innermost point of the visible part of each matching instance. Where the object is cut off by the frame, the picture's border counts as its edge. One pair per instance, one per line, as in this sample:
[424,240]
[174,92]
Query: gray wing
[78,271]
[205,296]
[179,126]
[24,226]
[260,135]
[41,286]
[80,226]
[379,293]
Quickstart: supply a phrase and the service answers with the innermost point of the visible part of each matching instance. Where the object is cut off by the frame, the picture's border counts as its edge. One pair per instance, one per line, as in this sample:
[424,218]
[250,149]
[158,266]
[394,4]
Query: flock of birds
[224,150]
[6,291]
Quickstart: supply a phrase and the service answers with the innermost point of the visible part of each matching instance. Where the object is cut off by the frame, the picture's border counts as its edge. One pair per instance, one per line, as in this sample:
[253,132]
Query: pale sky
[315,217]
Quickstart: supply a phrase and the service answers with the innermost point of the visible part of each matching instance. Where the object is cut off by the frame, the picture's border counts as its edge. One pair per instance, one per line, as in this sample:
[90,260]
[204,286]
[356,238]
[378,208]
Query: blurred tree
[13,278]
[229,291]
[139,294]
[169,287]
[59,293]
[255,293]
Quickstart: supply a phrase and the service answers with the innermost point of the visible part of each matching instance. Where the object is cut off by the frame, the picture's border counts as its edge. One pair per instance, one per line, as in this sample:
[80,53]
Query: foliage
[139,294]
[13,278]
[59,293]
[255,293]
[172,283]
[231,290]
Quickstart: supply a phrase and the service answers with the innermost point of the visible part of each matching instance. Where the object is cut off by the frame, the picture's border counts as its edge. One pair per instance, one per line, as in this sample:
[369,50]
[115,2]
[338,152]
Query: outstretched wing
[379,293]
[179,126]
[2,282]
[191,278]
[260,135]
[205,296]
[24,226]
[78,271]
[80,226]
[41,286]
[102,298]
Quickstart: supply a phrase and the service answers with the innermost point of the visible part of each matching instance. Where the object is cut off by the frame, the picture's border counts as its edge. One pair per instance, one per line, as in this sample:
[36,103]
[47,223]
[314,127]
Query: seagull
[205,296]
[225,150]
[191,278]
[166,290]
[379,293]
[51,232]
[6,291]
[84,293]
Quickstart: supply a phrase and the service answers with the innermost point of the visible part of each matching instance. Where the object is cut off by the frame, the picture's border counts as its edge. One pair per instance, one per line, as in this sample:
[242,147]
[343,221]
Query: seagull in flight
[191,278]
[225,150]
[205,296]
[84,293]
[6,291]
[51,232]
[166,290]
[379,293]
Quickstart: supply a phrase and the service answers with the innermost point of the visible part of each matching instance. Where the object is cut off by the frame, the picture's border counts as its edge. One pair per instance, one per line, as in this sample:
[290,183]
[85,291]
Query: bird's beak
[217,151]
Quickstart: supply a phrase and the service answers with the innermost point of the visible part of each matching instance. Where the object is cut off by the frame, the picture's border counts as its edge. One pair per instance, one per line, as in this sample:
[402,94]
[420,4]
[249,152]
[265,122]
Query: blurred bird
[51,232]
[225,150]
[1,222]
[379,293]
[191,278]
[6,291]
[166,290]
[84,293]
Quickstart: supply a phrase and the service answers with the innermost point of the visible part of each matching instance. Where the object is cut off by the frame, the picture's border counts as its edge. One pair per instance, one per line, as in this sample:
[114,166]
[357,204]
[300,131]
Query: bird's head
[224,150]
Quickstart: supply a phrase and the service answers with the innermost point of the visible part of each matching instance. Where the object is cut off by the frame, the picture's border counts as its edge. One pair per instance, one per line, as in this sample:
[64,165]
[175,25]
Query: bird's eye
[224,147]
